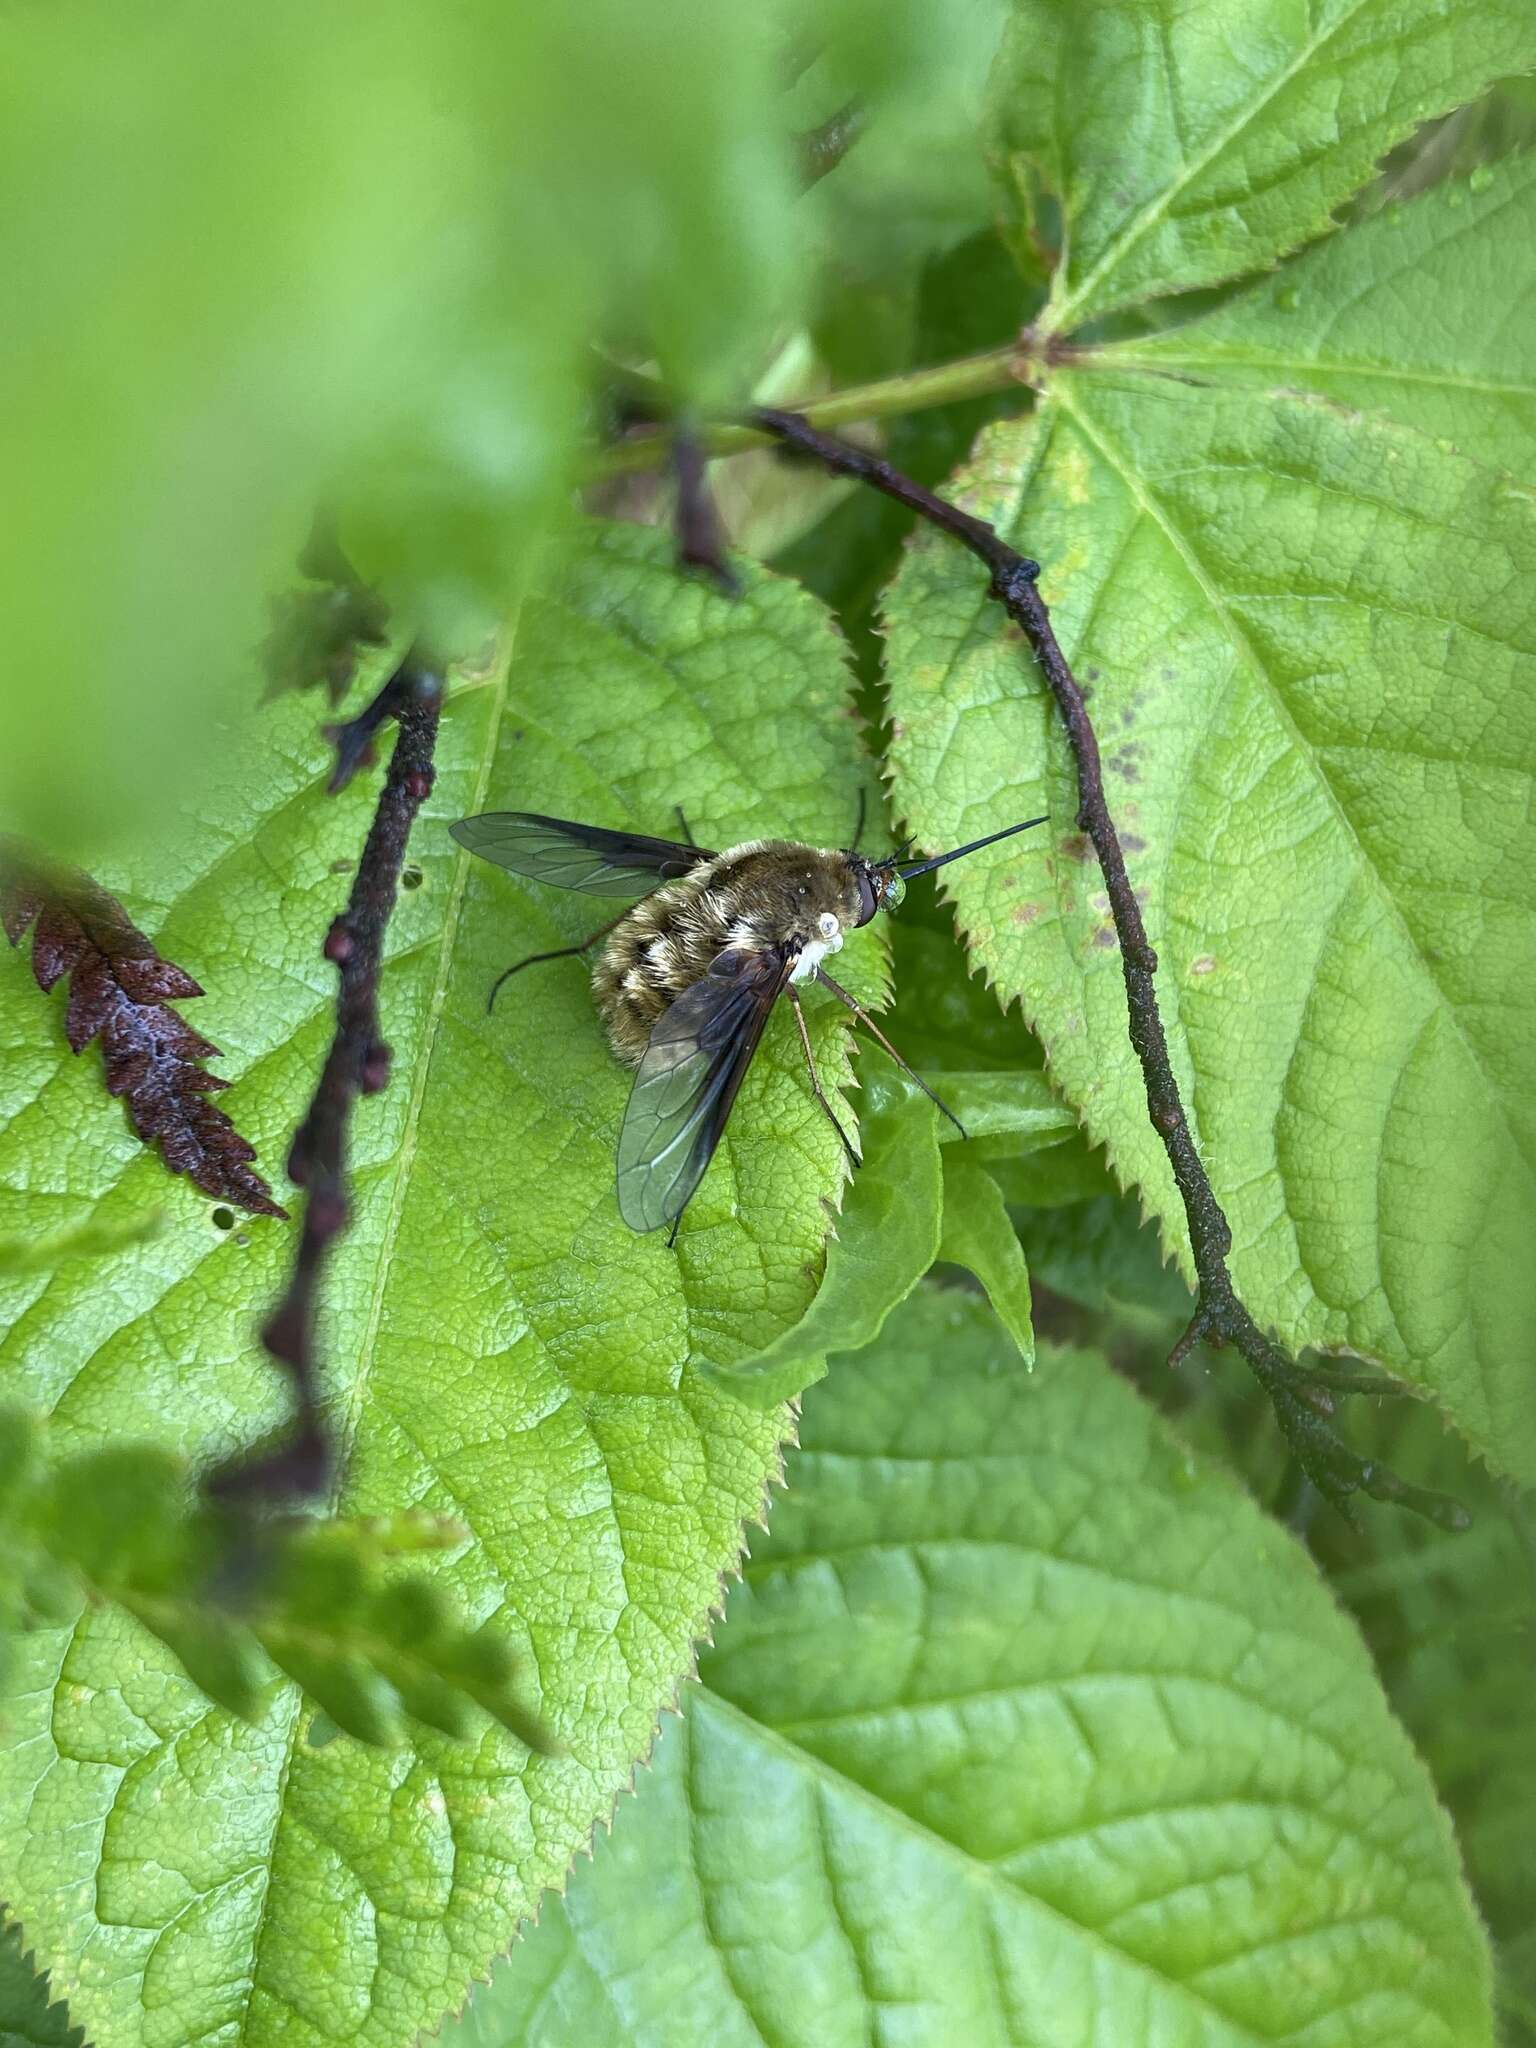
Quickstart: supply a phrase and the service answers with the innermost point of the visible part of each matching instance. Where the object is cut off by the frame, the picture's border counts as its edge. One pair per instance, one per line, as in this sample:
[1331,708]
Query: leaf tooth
[59,944]
[153,980]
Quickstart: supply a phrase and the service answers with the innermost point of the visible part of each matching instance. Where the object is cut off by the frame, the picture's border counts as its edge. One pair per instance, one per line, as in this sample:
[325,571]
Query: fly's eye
[867,904]
[828,924]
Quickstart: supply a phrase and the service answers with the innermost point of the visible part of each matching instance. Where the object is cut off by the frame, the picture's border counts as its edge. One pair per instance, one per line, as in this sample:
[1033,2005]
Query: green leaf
[124,1524]
[979,1236]
[495,1346]
[1054,1177]
[1424,312]
[1189,141]
[1102,1254]
[1021,1106]
[887,1238]
[1309,640]
[1014,1703]
[1450,1623]
[946,1017]
[29,2018]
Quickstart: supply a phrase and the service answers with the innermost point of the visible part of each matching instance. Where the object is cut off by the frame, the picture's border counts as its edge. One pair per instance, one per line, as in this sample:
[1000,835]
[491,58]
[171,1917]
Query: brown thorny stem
[356,1064]
[1302,1399]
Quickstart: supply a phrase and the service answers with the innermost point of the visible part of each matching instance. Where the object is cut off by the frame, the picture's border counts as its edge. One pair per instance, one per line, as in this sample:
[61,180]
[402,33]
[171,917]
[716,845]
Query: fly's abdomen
[665,944]
[662,947]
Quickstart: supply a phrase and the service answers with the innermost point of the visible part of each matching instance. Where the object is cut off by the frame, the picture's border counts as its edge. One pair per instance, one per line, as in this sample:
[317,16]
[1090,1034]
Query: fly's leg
[858,823]
[810,1061]
[687,828]
[560,953]
[880,1038]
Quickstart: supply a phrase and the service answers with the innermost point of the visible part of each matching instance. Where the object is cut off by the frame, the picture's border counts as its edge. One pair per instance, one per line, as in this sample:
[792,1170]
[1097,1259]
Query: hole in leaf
[411,878]
[223,1219]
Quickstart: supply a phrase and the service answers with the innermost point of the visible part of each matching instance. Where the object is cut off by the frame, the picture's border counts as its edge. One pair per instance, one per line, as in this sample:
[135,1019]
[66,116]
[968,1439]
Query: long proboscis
[939,860]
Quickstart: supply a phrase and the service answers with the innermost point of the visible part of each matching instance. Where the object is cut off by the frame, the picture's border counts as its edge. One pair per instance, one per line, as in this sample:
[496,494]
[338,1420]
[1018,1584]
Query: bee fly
[688,975]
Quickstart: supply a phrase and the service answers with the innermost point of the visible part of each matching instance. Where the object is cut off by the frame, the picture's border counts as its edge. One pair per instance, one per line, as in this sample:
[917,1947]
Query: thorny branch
[700,537]
[1302,1400]
[357,1064]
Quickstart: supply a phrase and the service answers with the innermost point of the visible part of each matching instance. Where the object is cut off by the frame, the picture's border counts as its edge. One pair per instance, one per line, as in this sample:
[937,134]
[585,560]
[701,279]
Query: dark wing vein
[585,857]
[699,1053]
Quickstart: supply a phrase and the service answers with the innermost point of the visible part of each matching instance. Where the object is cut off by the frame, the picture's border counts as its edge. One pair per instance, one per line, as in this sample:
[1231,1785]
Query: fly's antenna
[887,865]
[924,867]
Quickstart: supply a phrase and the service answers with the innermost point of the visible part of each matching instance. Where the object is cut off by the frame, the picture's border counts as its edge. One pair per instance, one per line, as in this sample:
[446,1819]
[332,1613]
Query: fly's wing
[585,857]
[699,1053]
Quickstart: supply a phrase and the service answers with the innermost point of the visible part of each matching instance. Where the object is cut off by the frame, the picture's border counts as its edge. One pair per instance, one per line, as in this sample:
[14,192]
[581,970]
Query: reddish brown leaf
[119,989]
[18,908]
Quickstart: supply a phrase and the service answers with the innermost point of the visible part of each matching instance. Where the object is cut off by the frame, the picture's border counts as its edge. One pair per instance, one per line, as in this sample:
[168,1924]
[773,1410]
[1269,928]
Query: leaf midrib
[1216,356]
[983,1877]
[1173,347]
[1156,208]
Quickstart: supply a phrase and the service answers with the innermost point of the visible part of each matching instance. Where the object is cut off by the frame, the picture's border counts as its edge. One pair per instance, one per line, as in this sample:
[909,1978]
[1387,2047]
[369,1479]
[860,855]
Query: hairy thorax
[765,893]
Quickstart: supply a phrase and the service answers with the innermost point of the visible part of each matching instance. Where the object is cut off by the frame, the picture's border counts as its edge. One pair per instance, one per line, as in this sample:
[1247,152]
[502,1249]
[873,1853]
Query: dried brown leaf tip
[119,993]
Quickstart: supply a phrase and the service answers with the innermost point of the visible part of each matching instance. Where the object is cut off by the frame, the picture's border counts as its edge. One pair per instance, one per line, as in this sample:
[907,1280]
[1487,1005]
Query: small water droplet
[1481,178]
[1288,300]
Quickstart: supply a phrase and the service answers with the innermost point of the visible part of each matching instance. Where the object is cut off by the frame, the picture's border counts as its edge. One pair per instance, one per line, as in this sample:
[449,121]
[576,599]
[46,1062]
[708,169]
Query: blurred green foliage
[274,254]
[236,1603]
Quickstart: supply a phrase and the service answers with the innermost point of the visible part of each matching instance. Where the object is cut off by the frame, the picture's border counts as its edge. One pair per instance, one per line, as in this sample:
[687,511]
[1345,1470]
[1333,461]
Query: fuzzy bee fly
[688,976]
